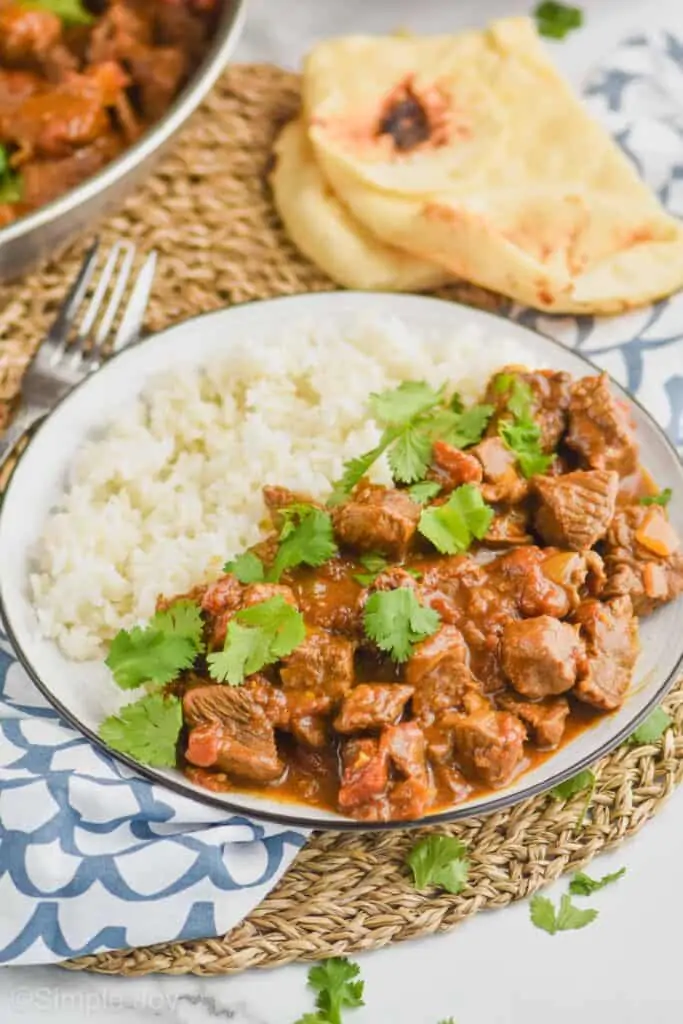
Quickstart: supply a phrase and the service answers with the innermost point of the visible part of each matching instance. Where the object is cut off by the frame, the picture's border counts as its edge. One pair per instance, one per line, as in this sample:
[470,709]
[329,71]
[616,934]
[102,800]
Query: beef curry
[451,632]
[79,86]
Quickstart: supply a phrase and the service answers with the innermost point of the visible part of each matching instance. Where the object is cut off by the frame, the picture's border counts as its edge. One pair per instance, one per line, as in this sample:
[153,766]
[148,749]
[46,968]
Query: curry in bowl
[399,649]
[81,81]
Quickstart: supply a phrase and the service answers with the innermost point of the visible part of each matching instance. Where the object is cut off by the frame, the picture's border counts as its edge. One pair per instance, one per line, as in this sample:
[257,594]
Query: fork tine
[131,321]
[117,294]
[90,315]
[61,325]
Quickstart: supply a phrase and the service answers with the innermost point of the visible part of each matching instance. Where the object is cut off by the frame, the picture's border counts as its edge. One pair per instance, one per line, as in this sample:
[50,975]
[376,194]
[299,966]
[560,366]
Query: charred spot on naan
[413,116]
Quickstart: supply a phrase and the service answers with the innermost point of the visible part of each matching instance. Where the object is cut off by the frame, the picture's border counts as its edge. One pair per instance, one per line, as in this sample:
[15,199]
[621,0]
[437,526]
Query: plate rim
[340,824]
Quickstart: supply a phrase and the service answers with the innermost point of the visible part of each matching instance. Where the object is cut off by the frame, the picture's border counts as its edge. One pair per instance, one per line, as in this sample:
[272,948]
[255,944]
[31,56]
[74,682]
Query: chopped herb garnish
[522,435]
[396,621]
[583,885]
[248,568]
[10,182]
[147,730]
[256,637]
[568,918]
[439,860]
[663,498]
[555,20]
[338,987]
[400,405]
[158,652]
[410,455]
[72,12]
[652,729]
[468,427]
[306,538]
[375,564]
[577,784]
[453,526]
[423,491]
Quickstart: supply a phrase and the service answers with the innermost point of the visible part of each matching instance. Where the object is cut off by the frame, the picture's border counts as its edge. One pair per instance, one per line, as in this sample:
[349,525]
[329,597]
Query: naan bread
[322,228]
[472,151]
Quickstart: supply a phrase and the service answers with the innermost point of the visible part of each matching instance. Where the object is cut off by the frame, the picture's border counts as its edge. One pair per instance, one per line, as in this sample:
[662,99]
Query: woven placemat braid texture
[209,214]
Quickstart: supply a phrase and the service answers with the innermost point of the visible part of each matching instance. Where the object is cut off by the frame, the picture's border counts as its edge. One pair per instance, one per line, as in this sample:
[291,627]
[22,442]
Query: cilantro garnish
[522,435]
[147,730]
[247,567]
[257,636]
[413,416]
[306,538]
[452,527]
[577,783]
[663,498]
[72,12]
[423,491]
[555,20]
[396,621]
[159,651]
[568,918]
[338,987]
[583,885]
[439,860]
[10,182]
[654,726]
[375,564]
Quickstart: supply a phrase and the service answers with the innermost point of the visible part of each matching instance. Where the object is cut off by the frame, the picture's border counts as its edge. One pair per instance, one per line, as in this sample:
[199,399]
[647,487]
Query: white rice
[172,489]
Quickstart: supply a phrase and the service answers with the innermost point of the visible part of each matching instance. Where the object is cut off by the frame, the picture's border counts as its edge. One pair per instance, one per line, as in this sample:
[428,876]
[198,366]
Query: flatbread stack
[417,160]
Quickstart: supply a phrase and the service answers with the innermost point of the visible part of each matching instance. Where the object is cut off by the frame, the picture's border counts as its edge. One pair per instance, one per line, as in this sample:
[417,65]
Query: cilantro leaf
[583,885]
[555,20]
[570,787]
[338,986]
[159,651]
[469,427]
[257,636]
[147,730]
[356,469]
[247,567]
[568,918]
[439,860]
[10,182]
[452,527]
[409,456]
[398,406]
[396,621]
[523,438]
[310,542]
[663,498]
[375,564]
[72,12]
[424,490]
[455,402]
[654,726]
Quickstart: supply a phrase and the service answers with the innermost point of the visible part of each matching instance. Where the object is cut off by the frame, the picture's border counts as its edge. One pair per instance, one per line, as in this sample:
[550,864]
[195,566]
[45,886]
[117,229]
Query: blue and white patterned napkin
[93,857]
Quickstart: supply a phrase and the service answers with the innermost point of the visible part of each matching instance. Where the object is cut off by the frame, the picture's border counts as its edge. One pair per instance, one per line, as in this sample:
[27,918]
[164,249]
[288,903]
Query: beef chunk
[257,593]
[550,399]
[224,598]
[329,597]
[45,179]
[502,480]
[643,558]
[439,673]
[509,529]
[158,72]
[452,467]
[377,519]
[322,663]
[545,719]
[600,428]
[488,743]
[308,712]
[576,509]
[26,35]
[230,731]
[372,705]
[542,656]
[365,775]
[272,699]
[413,792]
[610,632]
[224,595]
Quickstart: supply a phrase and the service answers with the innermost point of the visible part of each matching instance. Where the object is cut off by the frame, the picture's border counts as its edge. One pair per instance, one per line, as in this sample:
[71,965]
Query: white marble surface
[497,968]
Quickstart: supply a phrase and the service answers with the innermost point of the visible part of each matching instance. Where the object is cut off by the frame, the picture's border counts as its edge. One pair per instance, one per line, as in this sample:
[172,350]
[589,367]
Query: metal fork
[80,339]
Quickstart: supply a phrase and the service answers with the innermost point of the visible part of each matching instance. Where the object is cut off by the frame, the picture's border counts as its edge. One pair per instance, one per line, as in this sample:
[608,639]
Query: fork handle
[26,416]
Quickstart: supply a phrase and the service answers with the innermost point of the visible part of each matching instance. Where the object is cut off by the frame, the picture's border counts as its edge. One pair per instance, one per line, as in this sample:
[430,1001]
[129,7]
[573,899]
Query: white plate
[84,693]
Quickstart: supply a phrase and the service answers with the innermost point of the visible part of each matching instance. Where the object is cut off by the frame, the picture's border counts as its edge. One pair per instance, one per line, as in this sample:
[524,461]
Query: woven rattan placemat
[208,213]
